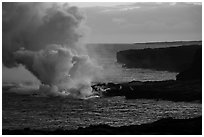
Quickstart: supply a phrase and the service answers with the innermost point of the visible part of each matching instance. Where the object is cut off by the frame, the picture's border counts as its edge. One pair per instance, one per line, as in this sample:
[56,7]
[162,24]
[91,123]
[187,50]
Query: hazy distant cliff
[171,59]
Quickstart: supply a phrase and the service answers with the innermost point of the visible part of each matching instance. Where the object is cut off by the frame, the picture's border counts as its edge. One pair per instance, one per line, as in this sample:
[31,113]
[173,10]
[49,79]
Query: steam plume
[46,38]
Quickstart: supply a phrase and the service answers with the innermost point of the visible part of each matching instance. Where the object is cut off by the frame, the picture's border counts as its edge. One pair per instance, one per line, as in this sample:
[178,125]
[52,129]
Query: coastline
[171,90]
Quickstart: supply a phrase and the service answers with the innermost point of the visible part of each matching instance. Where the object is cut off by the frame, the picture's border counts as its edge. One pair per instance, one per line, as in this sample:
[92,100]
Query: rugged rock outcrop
[195,70]
[170,59]
[160,90]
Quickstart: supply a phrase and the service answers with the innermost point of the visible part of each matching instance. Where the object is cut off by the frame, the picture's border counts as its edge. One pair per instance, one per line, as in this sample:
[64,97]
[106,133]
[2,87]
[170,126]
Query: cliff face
[170,59]
[195,69]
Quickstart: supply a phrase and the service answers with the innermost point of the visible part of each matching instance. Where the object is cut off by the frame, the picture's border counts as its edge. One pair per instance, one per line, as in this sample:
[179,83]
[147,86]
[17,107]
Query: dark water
[21,111]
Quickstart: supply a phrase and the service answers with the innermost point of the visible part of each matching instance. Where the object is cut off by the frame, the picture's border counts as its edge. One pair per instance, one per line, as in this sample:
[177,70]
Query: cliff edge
[175,59]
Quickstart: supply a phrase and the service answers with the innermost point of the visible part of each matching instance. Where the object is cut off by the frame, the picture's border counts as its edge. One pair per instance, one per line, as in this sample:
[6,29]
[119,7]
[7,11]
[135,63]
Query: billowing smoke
[47,39]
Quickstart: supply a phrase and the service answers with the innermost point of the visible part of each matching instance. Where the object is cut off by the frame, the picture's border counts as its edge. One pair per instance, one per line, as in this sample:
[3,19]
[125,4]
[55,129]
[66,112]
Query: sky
[121,22]
[124,22]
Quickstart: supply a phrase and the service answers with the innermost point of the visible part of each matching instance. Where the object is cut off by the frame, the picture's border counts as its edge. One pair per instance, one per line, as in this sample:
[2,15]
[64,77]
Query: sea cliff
[174,59]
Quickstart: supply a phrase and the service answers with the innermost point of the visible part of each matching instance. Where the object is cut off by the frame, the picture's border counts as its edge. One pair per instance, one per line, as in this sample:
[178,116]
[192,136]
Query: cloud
[119,20]
[147,21]
[119,8]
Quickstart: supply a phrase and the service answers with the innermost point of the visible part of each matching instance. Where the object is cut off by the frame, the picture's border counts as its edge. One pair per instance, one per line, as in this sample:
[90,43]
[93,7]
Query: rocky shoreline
[171,90]
[166,126]
[186,87]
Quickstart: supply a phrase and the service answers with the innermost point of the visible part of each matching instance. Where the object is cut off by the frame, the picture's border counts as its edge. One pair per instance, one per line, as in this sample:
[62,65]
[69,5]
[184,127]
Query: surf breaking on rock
[47,39]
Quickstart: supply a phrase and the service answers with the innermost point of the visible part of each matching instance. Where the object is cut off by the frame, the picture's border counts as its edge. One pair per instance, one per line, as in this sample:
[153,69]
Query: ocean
[26,111]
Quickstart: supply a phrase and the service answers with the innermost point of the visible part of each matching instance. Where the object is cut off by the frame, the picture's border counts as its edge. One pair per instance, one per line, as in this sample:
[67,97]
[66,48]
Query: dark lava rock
[160,90]
[170,59]
[195,70]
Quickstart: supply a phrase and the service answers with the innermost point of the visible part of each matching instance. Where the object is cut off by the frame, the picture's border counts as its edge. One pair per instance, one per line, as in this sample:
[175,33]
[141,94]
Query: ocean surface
[24,110]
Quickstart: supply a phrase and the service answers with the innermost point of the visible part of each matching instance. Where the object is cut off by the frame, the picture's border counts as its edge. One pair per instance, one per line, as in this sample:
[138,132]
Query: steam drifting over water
[47,39]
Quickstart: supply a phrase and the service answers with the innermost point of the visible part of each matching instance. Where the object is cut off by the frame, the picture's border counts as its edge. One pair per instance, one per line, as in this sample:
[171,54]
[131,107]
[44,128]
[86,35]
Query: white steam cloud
[47,39]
